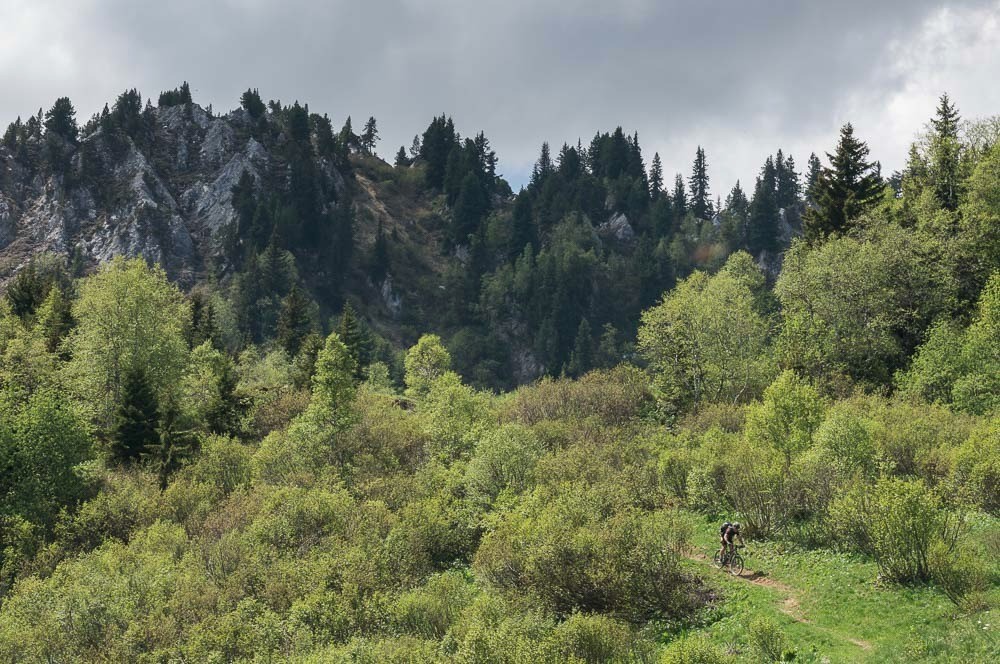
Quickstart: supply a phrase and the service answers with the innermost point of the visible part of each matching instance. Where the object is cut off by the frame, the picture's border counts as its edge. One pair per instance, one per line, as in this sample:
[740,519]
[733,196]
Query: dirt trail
[789,605]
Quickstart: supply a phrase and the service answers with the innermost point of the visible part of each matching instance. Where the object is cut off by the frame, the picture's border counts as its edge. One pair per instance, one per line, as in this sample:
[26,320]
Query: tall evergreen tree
[401,159]
[679,198]
[354,336]
[369,137]
[170,446]
[655,177]
[701,202]
[787,181]
[252,103]
[543,167]
[762,226]
[470,207]
[522,227]
[845,190]
[813,171]
[945,153]
[60,120]
[294,321]
[136,418]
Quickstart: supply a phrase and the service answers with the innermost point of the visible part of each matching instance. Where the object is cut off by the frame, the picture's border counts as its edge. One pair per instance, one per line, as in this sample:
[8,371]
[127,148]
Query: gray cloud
[740,78]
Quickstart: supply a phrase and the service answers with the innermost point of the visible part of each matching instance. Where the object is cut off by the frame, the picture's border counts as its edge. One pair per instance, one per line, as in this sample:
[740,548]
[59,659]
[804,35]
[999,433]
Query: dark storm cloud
[740,78]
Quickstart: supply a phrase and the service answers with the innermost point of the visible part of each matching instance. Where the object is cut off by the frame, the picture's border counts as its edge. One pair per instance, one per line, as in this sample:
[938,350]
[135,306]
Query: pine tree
[60,120]
[656,177]
[762,226]
[608,352]
[348,139]
[469,208]
[701,202]
[354,336]
[401,159]
[136,417]
[543,167]
[415,148]
[845,190]
[522,227]
[294,322]
[787,186]
[369,137]
[945,154]
[812,177]
[169,447]
[679,199]
[252,103]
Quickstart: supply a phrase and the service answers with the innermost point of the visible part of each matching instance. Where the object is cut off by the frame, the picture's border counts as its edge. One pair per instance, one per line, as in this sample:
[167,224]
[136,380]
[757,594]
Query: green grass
[832,610]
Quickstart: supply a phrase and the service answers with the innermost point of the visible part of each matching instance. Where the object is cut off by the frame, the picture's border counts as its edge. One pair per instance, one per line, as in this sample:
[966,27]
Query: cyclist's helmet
[736,525]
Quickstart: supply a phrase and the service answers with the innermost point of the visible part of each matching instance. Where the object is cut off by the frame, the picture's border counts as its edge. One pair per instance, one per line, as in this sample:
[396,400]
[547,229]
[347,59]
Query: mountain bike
[733,562]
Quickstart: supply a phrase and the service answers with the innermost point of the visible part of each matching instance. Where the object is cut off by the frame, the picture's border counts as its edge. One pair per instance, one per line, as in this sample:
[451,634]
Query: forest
[531,461]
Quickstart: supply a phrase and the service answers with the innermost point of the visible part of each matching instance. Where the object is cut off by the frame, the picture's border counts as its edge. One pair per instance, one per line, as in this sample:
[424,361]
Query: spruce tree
[656,177]
[945,154]
[679,199]
[701,202]
[543,167]
[354,336]
[401,159]
[294,321]
[136,418]
[845,190]
[469,209]
[787,185]
[522,227]
[171,445]
[60,120]
[252,103]
[369,137]
[814,169]
[762,225]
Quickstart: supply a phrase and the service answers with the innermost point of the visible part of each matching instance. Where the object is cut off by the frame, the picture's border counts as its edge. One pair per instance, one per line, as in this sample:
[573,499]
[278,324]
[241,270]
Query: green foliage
[767,642]
[693,650]
[425,362]
[788,416]
[706,341]
[129,318]
[503,461]
[136,417]
[898,522]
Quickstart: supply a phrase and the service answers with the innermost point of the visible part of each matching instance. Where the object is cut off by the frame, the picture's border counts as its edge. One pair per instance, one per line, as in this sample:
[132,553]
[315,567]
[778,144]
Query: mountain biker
[729,533]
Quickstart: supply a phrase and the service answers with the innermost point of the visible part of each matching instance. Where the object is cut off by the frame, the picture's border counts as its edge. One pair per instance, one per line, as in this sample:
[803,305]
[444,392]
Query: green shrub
[976,467]
[430,610]
[693,650]
[767,641]
[504,460]
[897,522]
[590,638]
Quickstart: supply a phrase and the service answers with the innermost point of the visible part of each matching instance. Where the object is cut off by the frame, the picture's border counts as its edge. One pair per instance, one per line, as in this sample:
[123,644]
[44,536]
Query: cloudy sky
[740,77]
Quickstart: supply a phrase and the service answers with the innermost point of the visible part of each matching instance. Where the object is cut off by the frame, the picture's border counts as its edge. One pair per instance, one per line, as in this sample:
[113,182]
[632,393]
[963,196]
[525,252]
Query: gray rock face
[169,202]
[393,302]
[617,227]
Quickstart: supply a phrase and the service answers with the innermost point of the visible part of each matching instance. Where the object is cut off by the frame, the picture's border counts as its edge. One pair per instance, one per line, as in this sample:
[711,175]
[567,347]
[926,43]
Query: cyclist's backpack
[725,527]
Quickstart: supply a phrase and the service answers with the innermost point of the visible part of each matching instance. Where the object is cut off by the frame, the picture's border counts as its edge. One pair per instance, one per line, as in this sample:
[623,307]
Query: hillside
[347,411]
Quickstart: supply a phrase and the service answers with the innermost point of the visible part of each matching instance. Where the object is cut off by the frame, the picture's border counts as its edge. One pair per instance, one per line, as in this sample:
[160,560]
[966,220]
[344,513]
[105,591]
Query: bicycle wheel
[736,564]
[718,563]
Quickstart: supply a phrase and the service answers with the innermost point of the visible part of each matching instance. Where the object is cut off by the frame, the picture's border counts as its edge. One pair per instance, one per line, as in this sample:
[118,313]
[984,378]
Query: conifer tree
[470,207]
[355,337]
[679,198]
[812,177]
[401,159]
[701,202]
[655,177]
[762,226]
[294,322]
[845,190]
[170,446]
[415,148]
[945,152]
[369,137]
[136,418]
[522,231]
[787,181]
[543,167]
[60,120]
[252,103]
